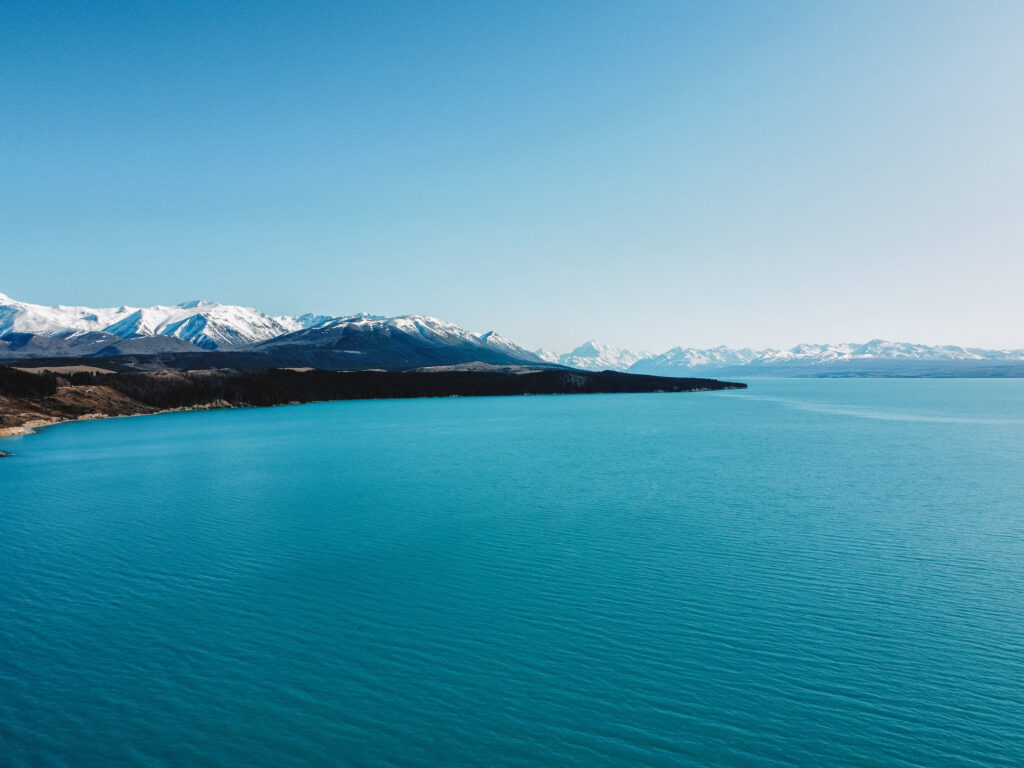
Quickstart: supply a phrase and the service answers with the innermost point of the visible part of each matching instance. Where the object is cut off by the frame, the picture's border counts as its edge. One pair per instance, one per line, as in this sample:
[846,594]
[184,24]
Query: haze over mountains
[876,357]
[201,334]
[593,356]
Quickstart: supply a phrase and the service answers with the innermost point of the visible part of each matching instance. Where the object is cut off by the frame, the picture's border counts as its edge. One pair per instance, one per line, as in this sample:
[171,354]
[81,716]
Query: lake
[808,572]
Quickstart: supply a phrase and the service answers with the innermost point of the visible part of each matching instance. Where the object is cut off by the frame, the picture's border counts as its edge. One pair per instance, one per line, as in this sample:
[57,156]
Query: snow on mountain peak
[877,351]
[211,325]
[207,324]
[58,321]
[495,340]
[547,355]
[594,356]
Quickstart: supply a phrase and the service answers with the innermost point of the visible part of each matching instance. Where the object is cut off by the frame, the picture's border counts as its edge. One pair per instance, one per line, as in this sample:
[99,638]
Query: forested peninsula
[30,399]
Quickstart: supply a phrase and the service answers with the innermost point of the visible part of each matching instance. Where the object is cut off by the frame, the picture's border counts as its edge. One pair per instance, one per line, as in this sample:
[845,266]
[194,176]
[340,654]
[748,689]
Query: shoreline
[33,426]
[29,428]
[90,397]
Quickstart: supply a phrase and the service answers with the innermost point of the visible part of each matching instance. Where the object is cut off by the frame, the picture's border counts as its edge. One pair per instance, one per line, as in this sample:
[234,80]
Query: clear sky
[649,174]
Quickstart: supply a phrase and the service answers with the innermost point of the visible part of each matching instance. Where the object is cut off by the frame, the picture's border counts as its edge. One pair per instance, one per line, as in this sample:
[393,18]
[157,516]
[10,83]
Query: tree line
[280,386]
[15,383]
[178,389]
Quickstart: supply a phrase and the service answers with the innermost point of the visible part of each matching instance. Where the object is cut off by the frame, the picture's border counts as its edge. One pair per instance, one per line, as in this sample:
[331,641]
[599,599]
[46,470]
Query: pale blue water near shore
[806,573]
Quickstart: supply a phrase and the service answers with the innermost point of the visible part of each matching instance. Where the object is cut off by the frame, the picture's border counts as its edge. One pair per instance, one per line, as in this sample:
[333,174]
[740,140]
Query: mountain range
[205,334]
[593,356]
[208,334]
[877,357]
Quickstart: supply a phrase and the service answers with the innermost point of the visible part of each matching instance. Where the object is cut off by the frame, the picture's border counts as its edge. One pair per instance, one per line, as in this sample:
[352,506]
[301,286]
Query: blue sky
[649,174]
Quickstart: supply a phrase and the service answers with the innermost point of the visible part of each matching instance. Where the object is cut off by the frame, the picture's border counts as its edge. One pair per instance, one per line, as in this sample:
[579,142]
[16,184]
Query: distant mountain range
[876,357]
[204,334]
[591,356]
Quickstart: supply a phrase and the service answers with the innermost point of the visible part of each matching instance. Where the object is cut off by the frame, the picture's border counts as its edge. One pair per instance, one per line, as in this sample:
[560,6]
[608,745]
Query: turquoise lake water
[809,572]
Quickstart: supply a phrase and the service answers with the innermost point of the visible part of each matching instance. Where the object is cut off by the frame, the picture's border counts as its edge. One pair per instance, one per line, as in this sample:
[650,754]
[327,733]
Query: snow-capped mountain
[233,336]
[547,355]
[873,356]
[22,317]
[209,325]
[427,328]
[690,358]
[404,341]
[877,357]
[245,337]
[592,356]
[495,340]
[203,324]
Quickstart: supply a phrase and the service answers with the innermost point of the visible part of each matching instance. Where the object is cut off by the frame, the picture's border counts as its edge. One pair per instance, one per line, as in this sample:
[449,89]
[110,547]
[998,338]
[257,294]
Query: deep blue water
[806,573]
